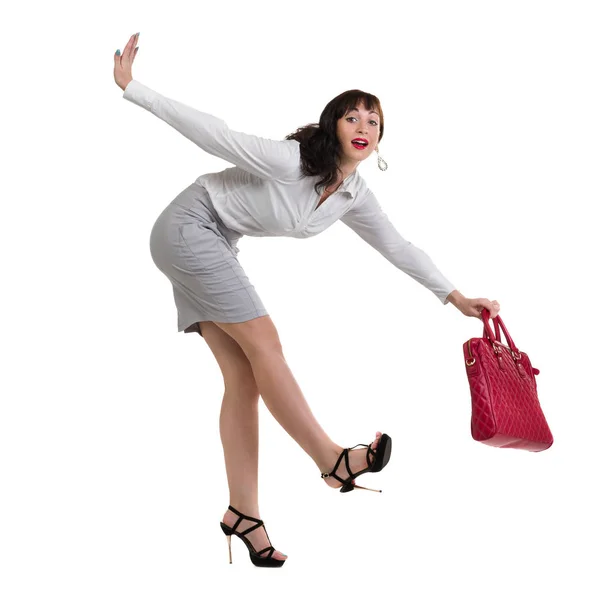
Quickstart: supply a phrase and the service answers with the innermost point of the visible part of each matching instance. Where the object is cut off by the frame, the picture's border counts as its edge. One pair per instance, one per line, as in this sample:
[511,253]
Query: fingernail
[118,52]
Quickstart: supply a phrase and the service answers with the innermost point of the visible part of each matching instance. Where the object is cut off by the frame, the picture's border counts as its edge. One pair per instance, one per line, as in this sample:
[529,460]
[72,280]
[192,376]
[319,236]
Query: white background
[112,471]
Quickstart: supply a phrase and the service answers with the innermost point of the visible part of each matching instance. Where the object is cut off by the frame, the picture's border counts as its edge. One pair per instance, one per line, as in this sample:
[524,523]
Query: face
[354,124]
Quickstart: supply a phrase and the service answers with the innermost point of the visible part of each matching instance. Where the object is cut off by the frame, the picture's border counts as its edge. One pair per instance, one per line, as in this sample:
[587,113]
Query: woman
[294,187]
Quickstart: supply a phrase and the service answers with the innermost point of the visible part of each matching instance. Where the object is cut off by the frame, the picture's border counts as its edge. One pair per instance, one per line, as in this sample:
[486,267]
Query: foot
[258,537]
[358,462]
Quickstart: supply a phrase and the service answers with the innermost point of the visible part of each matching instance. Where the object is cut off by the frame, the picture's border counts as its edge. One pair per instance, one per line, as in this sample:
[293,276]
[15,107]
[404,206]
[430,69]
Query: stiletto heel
[382,456]
[255,557]
[366,488]
[229,544]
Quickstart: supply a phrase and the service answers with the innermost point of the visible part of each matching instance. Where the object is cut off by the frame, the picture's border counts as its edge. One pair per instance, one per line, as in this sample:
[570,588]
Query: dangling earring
[380,162]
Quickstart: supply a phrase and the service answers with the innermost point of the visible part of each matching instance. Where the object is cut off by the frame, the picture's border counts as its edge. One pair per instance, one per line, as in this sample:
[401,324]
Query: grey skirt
[198,254]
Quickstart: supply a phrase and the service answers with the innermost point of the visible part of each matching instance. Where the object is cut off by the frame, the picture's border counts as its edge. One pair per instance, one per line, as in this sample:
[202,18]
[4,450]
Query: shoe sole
[382,453]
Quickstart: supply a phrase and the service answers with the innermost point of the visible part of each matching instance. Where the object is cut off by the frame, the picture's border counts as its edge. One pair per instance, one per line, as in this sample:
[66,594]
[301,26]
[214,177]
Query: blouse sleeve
[369,221]
[265,158]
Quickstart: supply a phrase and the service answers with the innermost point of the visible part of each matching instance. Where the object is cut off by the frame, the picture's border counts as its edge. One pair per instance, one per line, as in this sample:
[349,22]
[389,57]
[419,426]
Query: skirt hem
[193,326]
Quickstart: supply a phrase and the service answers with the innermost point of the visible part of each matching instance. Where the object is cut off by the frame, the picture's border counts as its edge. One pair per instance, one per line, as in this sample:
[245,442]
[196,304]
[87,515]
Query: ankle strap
[240,514]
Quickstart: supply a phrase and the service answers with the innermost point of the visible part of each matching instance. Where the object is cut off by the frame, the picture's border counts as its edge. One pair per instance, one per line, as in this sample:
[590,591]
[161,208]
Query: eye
[371,121]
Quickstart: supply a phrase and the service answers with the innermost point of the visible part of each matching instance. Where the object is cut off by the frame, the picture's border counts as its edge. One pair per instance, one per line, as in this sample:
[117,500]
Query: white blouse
[266,194]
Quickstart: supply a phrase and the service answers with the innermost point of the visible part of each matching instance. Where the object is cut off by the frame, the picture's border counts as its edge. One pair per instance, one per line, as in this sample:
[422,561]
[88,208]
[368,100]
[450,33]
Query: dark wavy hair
[320,149]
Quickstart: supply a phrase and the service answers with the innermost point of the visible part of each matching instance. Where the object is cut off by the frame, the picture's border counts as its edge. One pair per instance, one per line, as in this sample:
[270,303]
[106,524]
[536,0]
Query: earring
[380,162]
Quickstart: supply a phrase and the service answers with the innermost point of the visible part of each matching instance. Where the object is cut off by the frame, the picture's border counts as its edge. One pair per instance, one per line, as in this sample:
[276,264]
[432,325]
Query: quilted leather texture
[505,410]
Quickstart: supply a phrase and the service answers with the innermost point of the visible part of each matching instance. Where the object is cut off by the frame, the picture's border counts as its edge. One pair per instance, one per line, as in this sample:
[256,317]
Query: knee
[264,349]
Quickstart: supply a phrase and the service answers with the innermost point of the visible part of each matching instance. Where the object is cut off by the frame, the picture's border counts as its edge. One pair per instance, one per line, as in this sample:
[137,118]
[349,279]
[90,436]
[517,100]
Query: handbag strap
[487,332]
[498,322]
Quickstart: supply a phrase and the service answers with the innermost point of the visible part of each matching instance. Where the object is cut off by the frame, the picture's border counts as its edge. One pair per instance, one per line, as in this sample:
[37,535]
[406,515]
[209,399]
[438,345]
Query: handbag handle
[516,354]
[487,332]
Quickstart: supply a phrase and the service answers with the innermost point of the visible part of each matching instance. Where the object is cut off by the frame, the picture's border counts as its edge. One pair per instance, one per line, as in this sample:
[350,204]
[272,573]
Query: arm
[265,158]
[369,221]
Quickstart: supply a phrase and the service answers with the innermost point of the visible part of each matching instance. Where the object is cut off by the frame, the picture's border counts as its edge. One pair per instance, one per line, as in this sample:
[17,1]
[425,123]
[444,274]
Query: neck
[347,169]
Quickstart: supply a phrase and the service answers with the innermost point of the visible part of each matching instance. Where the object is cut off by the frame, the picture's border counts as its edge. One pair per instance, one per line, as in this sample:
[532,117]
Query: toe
[376,442]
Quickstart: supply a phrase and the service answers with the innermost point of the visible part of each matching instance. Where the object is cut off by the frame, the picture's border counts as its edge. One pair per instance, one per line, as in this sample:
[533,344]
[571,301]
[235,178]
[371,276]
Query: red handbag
[505,410]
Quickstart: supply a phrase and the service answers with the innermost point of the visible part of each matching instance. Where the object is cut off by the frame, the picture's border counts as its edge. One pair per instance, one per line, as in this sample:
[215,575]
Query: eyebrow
[356,109]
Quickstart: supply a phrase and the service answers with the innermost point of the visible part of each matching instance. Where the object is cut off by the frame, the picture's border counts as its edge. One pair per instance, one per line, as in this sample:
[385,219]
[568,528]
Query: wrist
[455,297]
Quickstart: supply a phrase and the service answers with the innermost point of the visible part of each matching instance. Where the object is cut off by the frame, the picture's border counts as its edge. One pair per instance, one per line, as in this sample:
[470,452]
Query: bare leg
[284,398]
[238,426]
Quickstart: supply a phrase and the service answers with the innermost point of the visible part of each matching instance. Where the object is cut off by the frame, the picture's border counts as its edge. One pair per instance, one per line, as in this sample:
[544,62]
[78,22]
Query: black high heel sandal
[255,557]
[382,457]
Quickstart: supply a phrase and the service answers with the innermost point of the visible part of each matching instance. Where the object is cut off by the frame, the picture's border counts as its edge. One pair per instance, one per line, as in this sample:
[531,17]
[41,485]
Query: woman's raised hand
[123,63]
